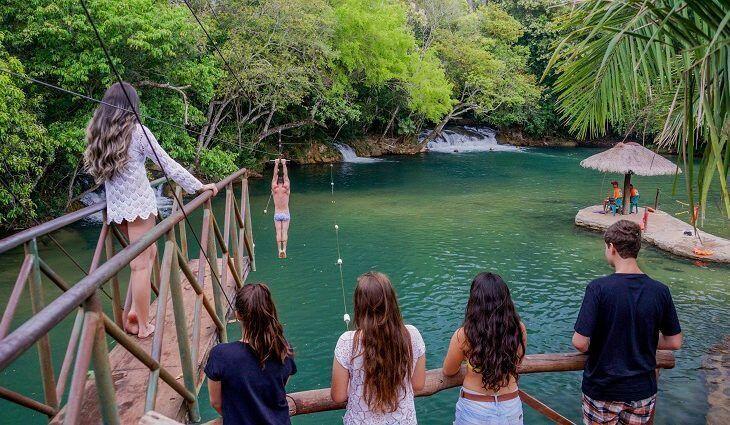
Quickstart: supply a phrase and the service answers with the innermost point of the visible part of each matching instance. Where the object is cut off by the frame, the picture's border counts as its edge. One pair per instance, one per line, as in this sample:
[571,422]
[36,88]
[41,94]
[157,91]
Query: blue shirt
[251,395]
[623,314]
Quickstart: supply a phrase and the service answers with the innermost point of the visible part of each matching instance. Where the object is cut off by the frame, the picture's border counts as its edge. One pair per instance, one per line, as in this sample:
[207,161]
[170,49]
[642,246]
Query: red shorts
[618,412]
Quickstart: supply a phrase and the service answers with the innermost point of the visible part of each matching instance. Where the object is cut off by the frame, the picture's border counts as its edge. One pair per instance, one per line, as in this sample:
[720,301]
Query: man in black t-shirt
[625,317]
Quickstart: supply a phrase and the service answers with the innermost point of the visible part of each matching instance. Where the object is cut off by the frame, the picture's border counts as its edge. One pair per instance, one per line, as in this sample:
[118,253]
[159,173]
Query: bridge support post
[44,345]
[216,282]
[178,308]
[156,350]
[102,369]
[248,232]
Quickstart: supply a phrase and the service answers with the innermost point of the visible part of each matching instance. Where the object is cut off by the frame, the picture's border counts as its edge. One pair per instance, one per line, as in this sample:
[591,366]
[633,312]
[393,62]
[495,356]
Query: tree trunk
[627,193]
[390,122]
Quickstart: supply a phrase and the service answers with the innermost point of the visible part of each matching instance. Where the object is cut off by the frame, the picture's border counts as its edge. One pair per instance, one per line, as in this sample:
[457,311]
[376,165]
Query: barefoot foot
[132,326]
[146,331]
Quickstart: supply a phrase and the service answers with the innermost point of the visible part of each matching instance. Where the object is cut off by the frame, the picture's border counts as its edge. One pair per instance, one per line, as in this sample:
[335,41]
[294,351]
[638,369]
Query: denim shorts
[470,412]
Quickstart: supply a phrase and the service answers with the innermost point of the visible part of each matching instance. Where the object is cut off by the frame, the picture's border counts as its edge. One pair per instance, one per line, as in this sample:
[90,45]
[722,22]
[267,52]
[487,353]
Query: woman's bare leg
[139,280]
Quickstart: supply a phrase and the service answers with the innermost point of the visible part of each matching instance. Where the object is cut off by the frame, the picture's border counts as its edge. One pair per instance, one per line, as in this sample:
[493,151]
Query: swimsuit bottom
[282,216]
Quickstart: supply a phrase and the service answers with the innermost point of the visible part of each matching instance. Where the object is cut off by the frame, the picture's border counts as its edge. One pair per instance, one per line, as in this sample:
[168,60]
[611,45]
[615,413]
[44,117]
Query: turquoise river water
[431,222]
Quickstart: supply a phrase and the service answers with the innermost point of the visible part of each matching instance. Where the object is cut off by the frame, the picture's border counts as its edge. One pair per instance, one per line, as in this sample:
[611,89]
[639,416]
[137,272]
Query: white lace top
[358,411]
[129,194]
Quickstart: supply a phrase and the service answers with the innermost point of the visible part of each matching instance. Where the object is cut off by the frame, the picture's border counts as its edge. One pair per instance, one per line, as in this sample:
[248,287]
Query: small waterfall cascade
[349,155]
[467,139]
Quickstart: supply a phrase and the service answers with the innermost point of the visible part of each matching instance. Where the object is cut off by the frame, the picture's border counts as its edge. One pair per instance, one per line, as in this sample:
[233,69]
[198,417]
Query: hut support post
[627,193]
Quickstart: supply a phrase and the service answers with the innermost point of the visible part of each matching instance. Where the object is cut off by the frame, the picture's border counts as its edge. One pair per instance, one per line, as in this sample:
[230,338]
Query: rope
[161,121]
[149,141]
[68,255]
[345,316]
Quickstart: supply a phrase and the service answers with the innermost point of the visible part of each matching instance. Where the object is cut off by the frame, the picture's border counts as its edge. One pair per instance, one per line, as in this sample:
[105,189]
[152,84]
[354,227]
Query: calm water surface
[431,223]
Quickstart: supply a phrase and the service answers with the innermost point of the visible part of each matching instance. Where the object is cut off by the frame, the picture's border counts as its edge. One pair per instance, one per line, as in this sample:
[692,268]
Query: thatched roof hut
[630,158]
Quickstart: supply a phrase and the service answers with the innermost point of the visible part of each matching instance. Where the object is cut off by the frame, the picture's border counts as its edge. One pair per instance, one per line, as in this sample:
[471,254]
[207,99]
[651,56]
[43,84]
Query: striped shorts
[618,412]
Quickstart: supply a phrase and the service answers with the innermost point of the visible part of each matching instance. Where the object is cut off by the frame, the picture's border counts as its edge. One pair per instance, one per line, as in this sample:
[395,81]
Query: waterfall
[164,204]
[349,155]
[467,139]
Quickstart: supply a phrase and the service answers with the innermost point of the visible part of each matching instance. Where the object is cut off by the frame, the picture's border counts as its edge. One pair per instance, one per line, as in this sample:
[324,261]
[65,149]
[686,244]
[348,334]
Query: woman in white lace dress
[116,152]
[378,366]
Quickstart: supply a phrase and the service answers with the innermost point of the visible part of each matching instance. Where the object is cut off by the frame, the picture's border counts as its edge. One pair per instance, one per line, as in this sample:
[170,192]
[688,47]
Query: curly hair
[495,342]
[109,132]
[385,341]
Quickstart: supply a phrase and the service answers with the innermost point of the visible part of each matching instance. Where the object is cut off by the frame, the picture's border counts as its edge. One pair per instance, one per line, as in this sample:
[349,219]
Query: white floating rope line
[345,316]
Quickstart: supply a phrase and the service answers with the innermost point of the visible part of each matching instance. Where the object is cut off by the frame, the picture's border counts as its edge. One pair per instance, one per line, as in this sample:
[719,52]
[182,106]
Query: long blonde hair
[109,133]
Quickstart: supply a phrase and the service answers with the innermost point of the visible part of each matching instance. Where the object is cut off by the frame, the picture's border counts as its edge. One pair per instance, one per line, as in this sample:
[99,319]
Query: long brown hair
[261,327]
[109,132]
[495,343]
[385,342]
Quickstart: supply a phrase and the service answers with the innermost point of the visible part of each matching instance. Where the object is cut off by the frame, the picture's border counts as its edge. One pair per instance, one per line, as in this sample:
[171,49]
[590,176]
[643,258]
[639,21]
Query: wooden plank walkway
[663,231]
[131,376]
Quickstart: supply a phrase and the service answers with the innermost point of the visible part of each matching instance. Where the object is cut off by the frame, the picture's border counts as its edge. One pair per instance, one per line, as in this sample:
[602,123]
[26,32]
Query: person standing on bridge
[625,317]
[247,378]
[492,341]
[378,366]
[280,191]
[116,152]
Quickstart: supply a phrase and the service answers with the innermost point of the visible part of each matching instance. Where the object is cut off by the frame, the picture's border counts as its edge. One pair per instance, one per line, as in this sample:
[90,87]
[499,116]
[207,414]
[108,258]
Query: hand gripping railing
[87,341]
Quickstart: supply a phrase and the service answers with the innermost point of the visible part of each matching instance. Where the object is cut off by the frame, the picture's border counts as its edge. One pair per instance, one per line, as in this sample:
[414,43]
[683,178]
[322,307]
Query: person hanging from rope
[115,155]
[280,191]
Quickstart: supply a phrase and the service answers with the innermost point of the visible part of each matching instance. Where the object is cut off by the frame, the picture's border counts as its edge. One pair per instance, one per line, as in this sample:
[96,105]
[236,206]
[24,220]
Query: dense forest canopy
[218,96]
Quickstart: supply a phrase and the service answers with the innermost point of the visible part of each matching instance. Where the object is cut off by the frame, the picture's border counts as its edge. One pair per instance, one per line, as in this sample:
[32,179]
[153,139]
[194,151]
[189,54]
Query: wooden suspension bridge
[157,380]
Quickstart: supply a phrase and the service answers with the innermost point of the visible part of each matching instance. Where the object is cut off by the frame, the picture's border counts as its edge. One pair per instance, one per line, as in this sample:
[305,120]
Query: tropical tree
[654,64]
[485,66]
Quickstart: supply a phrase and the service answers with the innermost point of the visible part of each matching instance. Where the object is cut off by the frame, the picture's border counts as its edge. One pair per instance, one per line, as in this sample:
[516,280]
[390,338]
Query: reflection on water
[432,222]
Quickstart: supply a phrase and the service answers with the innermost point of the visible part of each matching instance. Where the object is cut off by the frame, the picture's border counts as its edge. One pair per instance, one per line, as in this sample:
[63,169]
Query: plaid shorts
[618,412]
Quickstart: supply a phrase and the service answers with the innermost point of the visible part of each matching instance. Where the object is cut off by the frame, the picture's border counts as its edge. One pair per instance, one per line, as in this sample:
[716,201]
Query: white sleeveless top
[128,193]
[358,411]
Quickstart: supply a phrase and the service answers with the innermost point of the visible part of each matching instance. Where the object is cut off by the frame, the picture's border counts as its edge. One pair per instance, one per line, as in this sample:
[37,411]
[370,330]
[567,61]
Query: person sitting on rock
[613,196]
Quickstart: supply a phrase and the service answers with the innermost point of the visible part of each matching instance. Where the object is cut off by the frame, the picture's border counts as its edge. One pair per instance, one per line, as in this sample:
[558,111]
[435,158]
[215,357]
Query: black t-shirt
[251,395]
[623,314]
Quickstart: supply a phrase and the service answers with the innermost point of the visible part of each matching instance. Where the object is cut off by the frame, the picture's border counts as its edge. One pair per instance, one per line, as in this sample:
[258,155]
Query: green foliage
[428,87]
[315,69]
[485,66]
[25,148]
[643,63]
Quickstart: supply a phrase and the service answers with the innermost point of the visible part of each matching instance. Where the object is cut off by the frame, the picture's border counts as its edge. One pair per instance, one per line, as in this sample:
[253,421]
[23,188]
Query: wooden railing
[87,341]
[313,401]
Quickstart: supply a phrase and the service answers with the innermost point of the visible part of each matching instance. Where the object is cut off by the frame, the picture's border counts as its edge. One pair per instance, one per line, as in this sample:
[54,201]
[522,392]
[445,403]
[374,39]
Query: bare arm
[673,342]
[340,381]
[418,379]
[580,342]
[214,391]
[276,173]
[286,173]
[455,354]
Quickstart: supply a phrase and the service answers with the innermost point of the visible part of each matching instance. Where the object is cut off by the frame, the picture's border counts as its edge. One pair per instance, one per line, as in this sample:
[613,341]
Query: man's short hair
[625,236]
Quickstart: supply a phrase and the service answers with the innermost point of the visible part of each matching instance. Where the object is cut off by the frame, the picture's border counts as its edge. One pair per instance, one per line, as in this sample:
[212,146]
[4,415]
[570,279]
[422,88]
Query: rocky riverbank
[516,137]
[369,146]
